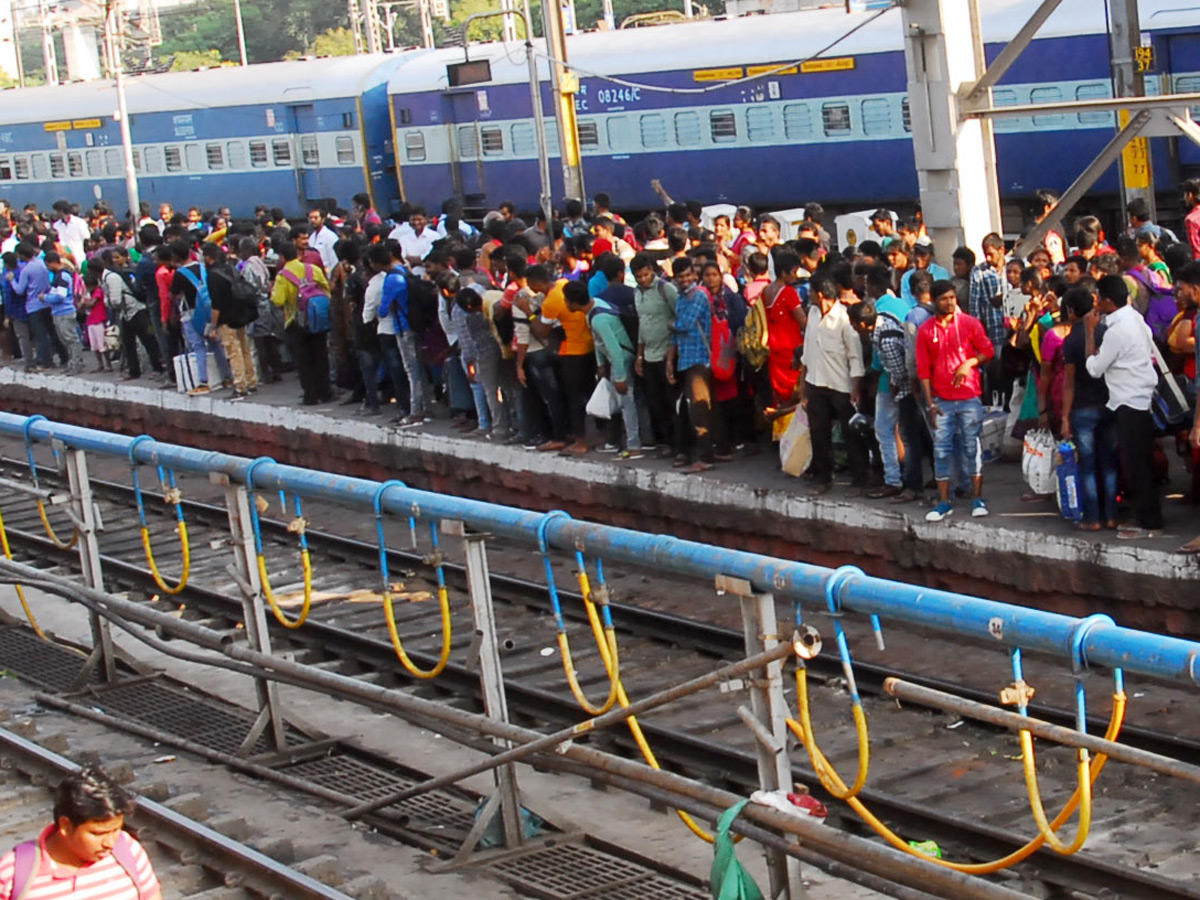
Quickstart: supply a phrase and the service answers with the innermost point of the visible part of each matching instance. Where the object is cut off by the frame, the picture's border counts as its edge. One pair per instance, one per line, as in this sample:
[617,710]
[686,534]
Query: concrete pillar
[955,157]
[1137,176]
[8,41]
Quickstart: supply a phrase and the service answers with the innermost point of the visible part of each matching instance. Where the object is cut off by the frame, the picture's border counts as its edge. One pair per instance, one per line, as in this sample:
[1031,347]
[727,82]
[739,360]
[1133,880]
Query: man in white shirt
[72,231]
[322,238]
[417,240]
[1125,360]
[830,371]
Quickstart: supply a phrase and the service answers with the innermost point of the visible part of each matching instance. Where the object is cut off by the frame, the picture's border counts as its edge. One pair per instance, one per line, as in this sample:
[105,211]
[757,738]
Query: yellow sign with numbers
[1135,158]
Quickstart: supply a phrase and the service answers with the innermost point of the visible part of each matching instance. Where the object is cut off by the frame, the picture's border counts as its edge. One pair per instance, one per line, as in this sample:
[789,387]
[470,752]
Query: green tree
[333,42]
[186,60]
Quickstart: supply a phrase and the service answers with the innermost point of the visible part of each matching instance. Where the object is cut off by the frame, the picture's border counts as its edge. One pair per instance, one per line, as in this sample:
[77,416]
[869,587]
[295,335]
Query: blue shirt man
[33,281]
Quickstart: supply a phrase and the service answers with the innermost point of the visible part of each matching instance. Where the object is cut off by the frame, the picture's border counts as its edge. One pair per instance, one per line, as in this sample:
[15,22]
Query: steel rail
[261,874]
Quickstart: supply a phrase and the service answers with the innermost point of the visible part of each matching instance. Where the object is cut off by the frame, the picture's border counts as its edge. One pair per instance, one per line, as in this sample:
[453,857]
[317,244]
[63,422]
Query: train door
[308,154]
[462,119]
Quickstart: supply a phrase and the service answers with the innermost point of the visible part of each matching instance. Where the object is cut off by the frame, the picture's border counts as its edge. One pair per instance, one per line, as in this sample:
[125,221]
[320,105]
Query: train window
[835,118]
[174,159]
[468,147]
[522,137]
[797,122]
[6,170]
[589,134]
[58,166]
[93,163]
[216,158]
[876,116]
[194,157]
[760,123]
[310,153]
[405,116]
[235,152]
[114,164]
[1096,91]
[154,160]
[345,150]
[906,115]
[492,139]
[722,125]
[347,120]
[75,164]
[137,161]
[414,146]
[281,151]
[654,130]
[41,171]
[617,130]
[1184,84]
[21,167]
[1004,97]
[1047,95]
[258,154]
[687,129]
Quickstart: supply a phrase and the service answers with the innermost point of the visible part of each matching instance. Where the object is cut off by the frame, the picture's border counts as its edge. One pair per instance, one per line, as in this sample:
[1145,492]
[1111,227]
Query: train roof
[291,81]
[778,37]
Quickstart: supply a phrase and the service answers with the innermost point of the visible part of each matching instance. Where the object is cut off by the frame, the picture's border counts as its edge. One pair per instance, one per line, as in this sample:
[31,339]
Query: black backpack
[423,299]
[245,297]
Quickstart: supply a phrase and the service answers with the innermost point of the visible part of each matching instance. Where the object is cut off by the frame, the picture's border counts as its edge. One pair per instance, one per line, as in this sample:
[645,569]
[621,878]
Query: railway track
[956,789]
[193,859]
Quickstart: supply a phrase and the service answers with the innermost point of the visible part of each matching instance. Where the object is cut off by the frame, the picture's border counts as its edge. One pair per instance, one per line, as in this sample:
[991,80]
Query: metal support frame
[565,84]
[244,570]
[768,711]
[507,799]
[1137,173]
[1006,57]
[87,525]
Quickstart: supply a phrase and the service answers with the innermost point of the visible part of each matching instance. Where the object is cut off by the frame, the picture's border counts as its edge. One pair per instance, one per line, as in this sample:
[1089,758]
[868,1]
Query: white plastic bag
[1037,462]
[795,447]
[604,402]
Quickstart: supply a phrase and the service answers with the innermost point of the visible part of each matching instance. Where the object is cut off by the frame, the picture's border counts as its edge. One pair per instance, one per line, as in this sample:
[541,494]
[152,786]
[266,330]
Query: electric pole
[241,32]
[49,57]
[565,84]
[1129,63]
[371,14]
[112,13]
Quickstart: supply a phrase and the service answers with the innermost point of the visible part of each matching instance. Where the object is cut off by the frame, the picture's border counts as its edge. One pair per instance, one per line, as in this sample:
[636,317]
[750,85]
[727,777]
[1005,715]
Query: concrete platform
[1023,553]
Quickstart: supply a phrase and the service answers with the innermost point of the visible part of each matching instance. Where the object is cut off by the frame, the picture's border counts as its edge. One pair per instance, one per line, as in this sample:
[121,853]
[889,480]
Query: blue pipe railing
[1083,643]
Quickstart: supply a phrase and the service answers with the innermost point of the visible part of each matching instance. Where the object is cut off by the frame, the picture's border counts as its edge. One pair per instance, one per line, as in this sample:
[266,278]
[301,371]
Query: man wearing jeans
[950,348]
[394,304]
[1126,362]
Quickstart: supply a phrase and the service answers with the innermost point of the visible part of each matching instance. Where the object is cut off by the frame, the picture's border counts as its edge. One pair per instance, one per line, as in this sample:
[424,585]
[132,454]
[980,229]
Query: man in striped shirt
[85,854]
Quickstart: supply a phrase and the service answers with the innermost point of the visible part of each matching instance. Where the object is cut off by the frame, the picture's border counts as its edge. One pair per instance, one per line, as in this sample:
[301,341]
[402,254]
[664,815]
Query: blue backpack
[312,301]
[203,311]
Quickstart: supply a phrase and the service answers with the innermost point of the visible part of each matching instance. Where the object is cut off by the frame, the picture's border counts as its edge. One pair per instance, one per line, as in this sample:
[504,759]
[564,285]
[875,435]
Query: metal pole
[551,741]
[87,525]
[241,32]
[1164,765]
[761,634]
[426,25]
[609,19]
[354,14]
[565,85]
[545,199]
[17,49]
[1137,177]
[48,55]
[112,12]
[245,571]
[491,675]
[371,15]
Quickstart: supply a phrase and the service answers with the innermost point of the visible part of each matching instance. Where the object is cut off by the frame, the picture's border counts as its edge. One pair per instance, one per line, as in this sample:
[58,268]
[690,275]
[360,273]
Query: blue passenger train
[720,110]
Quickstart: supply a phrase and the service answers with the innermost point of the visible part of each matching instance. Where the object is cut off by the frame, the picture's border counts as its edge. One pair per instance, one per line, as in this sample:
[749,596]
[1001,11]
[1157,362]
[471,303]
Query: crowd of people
[696,338]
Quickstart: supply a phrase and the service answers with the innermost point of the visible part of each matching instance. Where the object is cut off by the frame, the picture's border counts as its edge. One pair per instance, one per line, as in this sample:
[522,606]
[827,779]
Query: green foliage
[187,60]
[333,42]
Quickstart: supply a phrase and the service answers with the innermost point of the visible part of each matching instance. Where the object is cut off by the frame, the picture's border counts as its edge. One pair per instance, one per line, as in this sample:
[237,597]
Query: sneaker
[939,512]
[979,508]
[199,390]
[633,453]
[608,448]
[238,395]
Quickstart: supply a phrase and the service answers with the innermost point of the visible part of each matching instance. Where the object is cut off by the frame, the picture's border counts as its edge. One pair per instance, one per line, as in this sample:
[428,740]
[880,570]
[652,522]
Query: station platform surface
[1024,552]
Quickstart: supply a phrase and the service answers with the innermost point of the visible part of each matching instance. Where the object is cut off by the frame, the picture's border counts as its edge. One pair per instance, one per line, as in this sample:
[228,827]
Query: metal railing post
[245,572]
[767,719]
[88,524]
[491,679]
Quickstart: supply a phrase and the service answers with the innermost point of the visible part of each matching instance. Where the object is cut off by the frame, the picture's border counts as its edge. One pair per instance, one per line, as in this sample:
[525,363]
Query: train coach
[287,134]
[717,111]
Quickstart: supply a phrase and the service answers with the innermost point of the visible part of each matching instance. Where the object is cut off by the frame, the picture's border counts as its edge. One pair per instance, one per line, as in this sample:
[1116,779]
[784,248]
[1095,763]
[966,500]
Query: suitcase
[185,371]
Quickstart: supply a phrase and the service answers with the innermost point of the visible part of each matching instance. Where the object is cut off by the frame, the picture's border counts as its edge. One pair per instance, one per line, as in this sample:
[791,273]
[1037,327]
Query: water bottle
[1068,482]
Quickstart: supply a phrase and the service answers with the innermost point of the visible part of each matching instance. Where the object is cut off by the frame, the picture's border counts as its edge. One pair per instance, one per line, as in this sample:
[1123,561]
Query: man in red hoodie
[950,349]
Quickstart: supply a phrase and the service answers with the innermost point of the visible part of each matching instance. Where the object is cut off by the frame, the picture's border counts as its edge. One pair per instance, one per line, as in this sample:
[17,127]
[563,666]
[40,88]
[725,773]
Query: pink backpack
[29,860]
